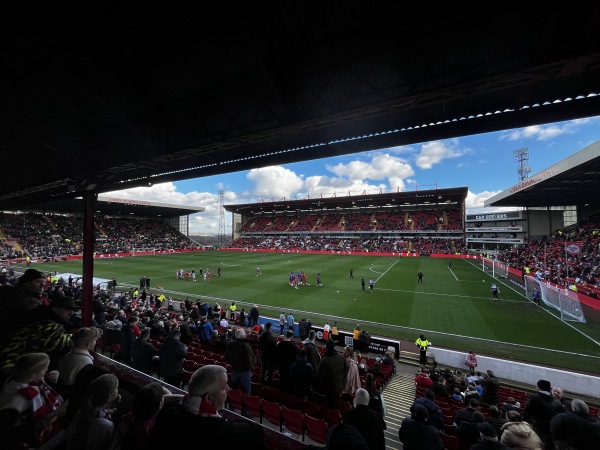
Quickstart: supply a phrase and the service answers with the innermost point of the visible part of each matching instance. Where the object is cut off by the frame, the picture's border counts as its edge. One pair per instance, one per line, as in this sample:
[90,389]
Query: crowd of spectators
[569,257]
[48,236]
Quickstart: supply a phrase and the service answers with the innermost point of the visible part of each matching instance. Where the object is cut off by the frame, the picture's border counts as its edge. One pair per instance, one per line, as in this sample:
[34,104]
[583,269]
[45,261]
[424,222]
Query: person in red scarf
[199,415]
[29,407]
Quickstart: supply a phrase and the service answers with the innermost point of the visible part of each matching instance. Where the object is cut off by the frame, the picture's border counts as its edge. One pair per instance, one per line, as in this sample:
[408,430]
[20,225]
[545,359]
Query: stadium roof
[573,181]
[428,198]
[105,96]
[115,207]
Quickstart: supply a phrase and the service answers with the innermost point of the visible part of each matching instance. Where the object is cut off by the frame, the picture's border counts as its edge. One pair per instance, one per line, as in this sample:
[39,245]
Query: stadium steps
[399,395]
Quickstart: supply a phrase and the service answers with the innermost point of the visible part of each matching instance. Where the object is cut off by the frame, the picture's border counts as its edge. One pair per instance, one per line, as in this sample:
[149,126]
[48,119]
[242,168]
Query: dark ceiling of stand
[116,95]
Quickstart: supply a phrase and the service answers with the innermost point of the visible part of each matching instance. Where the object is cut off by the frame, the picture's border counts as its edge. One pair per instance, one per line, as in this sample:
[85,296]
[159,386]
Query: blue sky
[484,163]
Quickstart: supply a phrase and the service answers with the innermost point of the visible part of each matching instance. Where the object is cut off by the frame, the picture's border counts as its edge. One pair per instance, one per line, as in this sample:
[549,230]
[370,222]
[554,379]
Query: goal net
[494,268]
[564,300]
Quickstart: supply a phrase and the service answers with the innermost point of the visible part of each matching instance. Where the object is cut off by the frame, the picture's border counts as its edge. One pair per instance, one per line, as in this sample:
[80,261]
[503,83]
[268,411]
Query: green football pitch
[453,307]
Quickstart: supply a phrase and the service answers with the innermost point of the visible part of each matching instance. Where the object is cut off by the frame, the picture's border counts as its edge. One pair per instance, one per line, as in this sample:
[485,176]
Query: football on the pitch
[338,292]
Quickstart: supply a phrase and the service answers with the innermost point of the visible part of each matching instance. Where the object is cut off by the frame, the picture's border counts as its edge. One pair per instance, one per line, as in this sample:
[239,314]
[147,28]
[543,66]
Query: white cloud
[274,181]
[433,153]
[543,132]
[381,166]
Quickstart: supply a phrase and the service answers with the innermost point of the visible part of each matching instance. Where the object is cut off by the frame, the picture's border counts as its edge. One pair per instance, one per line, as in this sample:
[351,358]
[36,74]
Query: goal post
[496,269]
[143,251]
[564,300]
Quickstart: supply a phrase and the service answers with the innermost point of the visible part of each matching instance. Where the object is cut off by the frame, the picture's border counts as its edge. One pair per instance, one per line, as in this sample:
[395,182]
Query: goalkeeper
[536,297]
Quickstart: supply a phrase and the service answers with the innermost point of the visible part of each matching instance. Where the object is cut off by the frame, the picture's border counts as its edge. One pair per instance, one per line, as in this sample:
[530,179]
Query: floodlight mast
[521,156]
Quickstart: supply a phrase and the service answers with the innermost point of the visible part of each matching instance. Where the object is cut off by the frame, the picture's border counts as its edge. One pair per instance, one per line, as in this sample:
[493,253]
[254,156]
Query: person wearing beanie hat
[544,385]
[368,422]
[24,296]
[539,411]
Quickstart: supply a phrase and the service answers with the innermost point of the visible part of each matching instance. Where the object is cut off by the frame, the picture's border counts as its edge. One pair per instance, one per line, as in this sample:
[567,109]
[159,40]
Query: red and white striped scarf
[43,398]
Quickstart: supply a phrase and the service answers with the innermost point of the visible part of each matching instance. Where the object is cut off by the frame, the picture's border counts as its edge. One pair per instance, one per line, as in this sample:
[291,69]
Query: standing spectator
[491,387]
[268,360]
[471,361]
[356,336]
[331,374]
[282,324]
[302,376]
[369,423]
[127,339]
[516,433]
[205,330]
[302,331]
[377,402]
[20,298]
[326,331]
[27,404]
[415,433]
[290,322]
[575,428]
[199,411]
[559,396]
[352,376]
[69,365]
[172,353]
[285,355]
[312,352]
[539,411]
[93,427]
[253,316]
[422,344]
[143,353]
[240,356]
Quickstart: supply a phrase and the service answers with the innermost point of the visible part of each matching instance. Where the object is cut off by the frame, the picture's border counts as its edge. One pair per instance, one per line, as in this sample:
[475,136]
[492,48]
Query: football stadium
[382,285]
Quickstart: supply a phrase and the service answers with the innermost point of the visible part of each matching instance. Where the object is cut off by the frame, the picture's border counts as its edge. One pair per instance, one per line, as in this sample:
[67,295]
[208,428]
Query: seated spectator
[415,433]
[511,405]
[576,428]
[422,379]
[496,419]
[199,411]
[518,434]
[134,428]
[92,427]
[434,412]
[29,407]
[471,392]
[466,413]
[457,395]
[439,388]
[69,365]
[468,430]
[488,438]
